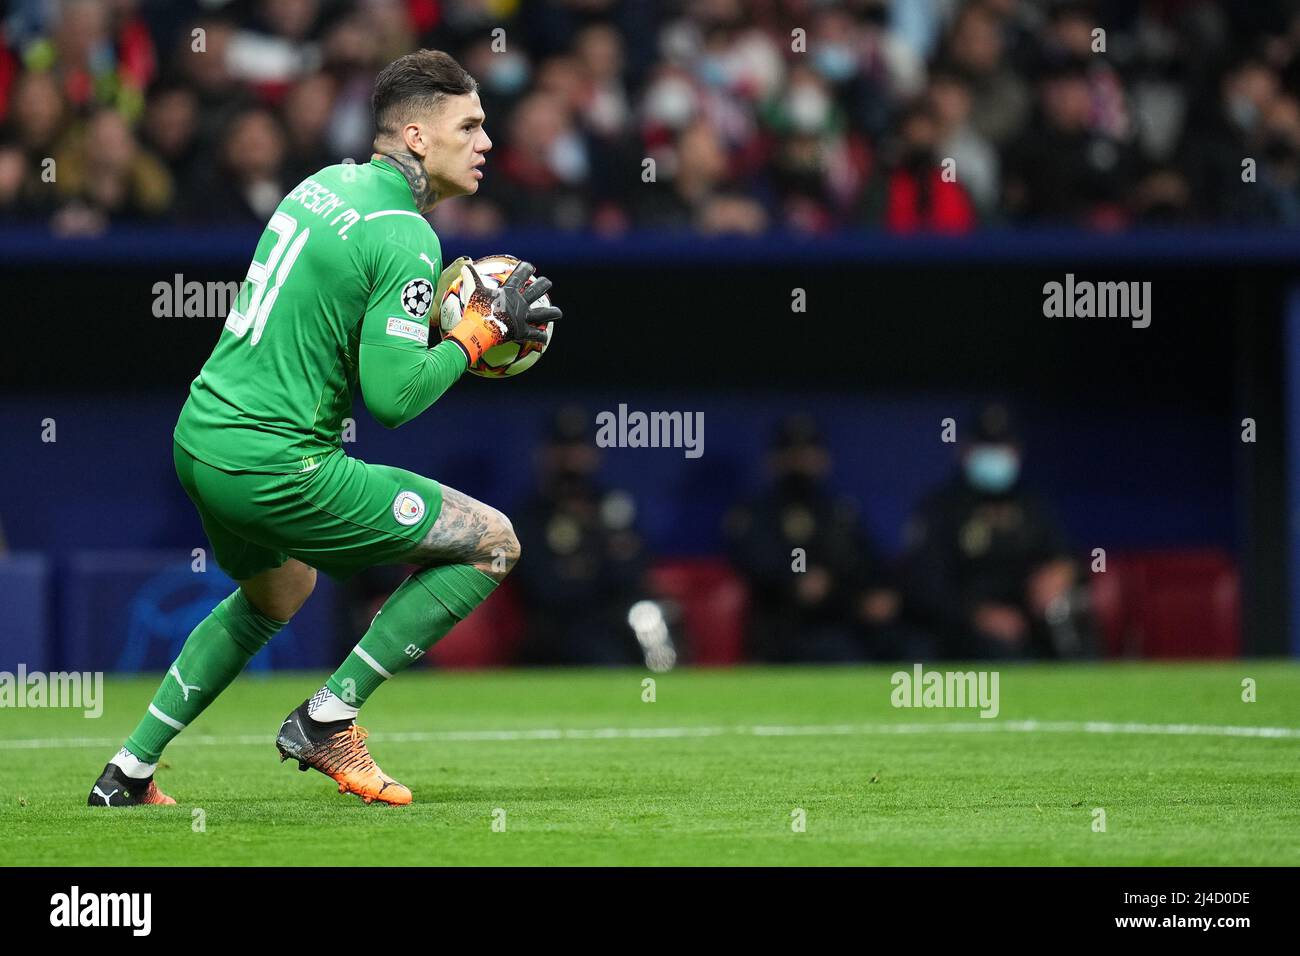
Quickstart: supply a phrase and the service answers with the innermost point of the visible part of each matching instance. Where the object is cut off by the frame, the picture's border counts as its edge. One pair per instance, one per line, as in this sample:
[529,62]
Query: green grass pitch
[713,771]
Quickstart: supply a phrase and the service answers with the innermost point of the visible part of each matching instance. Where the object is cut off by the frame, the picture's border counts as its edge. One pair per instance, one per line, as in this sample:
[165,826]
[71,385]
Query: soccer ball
[508,358]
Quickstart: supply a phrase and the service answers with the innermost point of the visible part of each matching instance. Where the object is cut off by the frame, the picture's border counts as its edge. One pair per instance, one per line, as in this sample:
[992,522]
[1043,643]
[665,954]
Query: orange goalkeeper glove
[504,314]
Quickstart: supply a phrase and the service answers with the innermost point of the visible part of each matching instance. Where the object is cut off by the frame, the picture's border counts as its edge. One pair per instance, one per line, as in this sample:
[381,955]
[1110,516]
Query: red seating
[712,599]
[714,604]
[488,637]
[1169,604]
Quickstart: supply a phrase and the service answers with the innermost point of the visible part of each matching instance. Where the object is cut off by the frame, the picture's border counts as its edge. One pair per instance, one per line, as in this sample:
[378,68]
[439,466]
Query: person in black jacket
[586,562]
[989,571]
[819,590]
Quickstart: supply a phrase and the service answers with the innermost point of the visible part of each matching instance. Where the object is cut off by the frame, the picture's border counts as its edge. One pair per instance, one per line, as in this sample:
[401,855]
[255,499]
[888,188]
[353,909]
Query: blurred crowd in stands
[817,117]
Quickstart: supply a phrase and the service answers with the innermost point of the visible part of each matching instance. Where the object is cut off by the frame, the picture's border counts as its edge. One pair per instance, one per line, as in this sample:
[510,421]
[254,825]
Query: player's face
[457,143]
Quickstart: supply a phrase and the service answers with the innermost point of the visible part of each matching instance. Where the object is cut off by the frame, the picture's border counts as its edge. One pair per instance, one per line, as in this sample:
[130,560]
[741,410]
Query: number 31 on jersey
[255,300]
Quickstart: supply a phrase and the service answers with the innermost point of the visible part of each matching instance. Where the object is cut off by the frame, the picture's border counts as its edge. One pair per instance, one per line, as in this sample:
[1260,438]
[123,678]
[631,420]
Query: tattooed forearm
[409,165]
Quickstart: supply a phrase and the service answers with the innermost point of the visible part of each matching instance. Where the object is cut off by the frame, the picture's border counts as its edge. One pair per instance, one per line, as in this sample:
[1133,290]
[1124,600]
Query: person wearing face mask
[914,193]
[1221,131]
[587,561]
[988,568]
[819,591]
[545,165]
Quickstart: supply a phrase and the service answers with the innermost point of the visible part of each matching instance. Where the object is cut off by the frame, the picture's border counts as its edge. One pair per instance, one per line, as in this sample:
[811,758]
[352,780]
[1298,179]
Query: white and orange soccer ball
[508,358]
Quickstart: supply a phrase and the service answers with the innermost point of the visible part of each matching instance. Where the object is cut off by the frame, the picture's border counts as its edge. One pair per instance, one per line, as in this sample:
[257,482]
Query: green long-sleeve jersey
[340,291]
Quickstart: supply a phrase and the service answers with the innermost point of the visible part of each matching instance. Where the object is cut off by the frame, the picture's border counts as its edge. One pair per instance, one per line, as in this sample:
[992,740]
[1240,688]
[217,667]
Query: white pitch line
[757,730]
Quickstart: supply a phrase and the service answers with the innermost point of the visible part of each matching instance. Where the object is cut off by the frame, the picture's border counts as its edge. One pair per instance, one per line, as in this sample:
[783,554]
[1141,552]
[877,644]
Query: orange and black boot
[115,789]
[338,750]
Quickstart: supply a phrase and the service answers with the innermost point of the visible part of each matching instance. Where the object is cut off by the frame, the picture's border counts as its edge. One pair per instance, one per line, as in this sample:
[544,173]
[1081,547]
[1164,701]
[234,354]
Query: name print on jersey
[322,201]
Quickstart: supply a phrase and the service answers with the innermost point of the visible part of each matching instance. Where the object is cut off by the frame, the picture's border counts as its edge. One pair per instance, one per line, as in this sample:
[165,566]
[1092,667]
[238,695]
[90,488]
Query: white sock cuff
[326,706]
[133,766]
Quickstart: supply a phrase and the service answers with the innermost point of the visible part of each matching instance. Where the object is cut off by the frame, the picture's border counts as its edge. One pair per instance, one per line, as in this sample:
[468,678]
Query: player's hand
[511,305]
[450,273]
[493,316]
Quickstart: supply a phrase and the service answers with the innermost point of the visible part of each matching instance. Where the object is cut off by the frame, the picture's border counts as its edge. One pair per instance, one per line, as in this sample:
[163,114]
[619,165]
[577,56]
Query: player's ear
[414,138]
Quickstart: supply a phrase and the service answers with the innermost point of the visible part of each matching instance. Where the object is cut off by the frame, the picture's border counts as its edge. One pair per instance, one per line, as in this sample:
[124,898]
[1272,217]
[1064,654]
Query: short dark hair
[415,83]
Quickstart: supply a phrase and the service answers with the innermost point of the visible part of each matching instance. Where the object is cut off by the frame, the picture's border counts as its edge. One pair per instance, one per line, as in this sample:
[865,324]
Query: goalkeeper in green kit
[340,292]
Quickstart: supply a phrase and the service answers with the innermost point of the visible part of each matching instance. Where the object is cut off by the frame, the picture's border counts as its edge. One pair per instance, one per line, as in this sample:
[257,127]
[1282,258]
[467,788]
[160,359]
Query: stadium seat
[1169,604]
[487,638]
[714,603]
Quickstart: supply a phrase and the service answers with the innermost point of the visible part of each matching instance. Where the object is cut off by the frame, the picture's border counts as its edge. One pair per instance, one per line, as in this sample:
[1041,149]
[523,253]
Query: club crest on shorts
[417,297]
[408,508]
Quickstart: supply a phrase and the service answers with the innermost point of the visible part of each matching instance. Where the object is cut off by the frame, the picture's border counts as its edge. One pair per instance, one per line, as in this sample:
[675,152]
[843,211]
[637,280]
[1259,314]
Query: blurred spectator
[503,77]
[539,174]
[1069,37]
[103,174]
[606,115]
[31,141]
[1067,168]
[1279,164]
[988,569]
[819,592]
[171,130]
[39,115]
[975,161]
[14,182]
[307,111]
[915,191]
[248,180]
[586,562]
[99,52]
[1221,139]
[691,192]
[202,57]
[817,169]
[352,58]
[274,49]
[870,68]
[604,106]
[975,49]
[393,26]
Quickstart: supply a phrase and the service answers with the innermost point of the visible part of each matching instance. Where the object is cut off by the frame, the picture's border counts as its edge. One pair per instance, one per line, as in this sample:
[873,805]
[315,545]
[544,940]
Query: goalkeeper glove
[450,273]
[504,314]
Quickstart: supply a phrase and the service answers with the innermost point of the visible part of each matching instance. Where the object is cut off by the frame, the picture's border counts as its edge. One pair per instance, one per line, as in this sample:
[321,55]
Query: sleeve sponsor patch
[406,329]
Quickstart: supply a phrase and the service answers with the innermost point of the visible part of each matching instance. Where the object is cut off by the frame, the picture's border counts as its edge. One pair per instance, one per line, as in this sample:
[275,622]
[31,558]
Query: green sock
[213,655]
[418,614]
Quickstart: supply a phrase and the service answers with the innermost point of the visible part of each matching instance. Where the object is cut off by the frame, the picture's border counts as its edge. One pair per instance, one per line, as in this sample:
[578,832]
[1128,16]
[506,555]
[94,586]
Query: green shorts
[341,517]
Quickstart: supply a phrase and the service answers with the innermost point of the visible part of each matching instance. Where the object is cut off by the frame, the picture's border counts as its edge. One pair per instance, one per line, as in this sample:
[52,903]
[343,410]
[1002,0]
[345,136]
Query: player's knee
[282,595]
[500,550]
